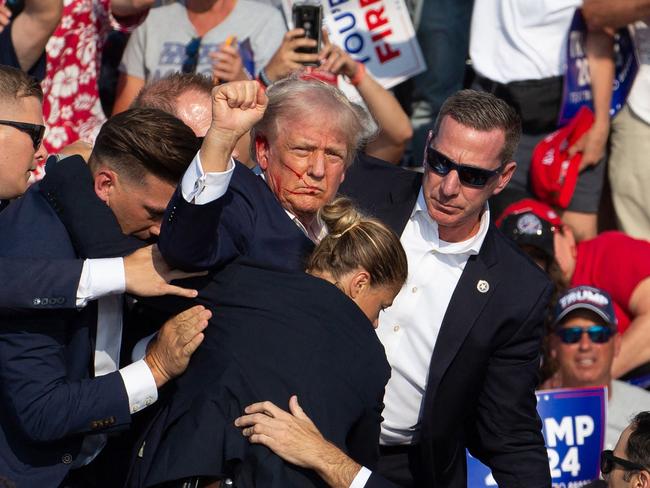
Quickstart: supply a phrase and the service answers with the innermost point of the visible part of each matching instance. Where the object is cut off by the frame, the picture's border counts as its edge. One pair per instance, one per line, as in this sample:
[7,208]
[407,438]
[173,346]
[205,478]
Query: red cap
[553,174]
[531,205]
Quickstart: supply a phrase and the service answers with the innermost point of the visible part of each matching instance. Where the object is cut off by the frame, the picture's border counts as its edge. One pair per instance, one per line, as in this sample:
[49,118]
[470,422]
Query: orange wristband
[359,75]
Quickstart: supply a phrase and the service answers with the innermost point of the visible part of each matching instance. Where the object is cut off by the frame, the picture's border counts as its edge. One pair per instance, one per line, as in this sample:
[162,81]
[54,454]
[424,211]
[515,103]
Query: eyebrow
[155,211]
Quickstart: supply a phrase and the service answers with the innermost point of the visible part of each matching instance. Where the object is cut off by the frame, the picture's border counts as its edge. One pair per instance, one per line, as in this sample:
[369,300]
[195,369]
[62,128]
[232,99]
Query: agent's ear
[360,281]
[105,181]
[262,150]
[505,176]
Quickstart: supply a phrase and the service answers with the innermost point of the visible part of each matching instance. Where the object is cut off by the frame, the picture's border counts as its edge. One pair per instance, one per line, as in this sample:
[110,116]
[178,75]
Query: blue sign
[577,80]
[574,430]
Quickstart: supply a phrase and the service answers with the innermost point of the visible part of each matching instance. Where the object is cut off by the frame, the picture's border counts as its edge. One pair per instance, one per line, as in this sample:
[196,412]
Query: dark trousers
[400,464]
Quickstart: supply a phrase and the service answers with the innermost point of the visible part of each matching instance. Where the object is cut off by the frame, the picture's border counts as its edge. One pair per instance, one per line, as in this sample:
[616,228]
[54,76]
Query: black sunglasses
[608,460]
[597,333]
[468,175]
[34,131]
[191,55]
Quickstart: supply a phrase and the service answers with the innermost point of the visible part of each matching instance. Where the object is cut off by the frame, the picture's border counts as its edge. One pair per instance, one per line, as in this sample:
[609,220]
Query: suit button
[60,300]
[37,301]
[45,301]
[66,458]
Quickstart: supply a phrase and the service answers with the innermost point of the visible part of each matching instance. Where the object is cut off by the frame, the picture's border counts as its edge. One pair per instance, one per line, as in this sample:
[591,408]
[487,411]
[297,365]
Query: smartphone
[310,18]
[16,6]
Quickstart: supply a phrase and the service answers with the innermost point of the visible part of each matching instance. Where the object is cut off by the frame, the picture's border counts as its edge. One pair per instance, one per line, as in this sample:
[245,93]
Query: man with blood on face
[304,134]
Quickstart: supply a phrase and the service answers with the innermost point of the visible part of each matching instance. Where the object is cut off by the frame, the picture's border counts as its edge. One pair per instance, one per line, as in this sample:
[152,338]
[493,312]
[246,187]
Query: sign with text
[577,79]
[377,33]
[574,430]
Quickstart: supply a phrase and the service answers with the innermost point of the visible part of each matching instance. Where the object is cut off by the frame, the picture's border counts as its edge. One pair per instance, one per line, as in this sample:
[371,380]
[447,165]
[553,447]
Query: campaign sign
[577,79]
[574,430]
[377,33]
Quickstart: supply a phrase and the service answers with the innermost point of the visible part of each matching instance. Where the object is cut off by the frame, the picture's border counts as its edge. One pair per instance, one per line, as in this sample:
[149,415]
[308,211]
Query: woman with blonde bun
[275,334]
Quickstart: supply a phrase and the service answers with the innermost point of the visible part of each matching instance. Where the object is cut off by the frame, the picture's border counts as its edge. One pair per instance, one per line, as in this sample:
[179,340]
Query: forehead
[323,129]
[466,145]
[153,192]
[23,109]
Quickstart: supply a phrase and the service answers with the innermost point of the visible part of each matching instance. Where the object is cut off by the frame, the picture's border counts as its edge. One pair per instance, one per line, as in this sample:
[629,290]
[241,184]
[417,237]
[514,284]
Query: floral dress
[71,106]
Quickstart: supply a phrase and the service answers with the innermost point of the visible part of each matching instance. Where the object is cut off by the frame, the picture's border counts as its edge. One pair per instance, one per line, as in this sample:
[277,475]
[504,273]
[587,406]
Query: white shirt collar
[470,246]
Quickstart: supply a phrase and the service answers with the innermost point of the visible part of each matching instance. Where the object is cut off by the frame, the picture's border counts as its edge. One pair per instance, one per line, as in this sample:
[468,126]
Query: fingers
[267,408]
[178,291]
[295,408]
[5,16]
[578,146]
[238,94]
[194,344]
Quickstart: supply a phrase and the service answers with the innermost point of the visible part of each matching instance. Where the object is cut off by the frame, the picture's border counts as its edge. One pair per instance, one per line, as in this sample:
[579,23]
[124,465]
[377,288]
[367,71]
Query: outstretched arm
[605,13]
[32,28]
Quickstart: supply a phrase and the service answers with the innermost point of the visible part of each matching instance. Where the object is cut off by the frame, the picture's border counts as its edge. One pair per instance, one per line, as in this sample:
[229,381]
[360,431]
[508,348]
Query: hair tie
[341,234]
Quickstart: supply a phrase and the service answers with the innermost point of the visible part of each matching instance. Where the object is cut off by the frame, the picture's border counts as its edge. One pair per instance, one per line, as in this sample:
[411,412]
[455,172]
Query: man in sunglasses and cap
[584,343]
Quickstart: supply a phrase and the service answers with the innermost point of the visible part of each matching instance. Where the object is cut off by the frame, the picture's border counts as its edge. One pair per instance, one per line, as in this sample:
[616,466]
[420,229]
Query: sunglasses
[191,55]
[34,131]
[597,333]
[608,460]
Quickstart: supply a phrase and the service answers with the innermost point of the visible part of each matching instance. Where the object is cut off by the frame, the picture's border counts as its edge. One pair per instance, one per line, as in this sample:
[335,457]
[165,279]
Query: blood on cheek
[277,180]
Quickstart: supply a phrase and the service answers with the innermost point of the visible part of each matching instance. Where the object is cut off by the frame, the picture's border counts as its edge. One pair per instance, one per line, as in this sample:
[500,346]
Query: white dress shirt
[409,328]
[140,386]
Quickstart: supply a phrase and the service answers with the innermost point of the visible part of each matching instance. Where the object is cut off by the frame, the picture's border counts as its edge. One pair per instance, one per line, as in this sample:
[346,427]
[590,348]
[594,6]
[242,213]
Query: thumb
[295,408]
[261,99]
[578,146]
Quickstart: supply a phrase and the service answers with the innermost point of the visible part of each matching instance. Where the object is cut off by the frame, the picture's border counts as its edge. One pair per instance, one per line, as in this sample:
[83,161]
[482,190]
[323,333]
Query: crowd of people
[219,270]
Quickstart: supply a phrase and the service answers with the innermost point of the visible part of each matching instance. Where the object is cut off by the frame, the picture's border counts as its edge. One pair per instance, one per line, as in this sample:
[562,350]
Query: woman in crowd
[275,334]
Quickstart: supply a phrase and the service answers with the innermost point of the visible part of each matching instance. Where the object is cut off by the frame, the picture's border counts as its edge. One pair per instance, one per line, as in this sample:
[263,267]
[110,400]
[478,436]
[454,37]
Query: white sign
[378,33]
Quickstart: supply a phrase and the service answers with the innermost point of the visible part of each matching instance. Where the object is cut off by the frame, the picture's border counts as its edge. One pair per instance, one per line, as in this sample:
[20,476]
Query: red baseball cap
[553,173]
[530,205]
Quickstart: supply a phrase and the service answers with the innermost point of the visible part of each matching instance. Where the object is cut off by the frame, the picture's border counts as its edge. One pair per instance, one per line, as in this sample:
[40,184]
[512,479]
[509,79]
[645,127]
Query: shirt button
[396,328]
[66,458]
[414,289]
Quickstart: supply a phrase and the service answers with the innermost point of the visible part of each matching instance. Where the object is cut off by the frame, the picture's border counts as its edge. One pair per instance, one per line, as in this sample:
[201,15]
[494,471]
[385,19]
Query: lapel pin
[483,286]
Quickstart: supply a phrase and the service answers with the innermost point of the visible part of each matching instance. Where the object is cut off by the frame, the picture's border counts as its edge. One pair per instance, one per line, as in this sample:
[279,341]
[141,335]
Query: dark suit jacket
[33,283]
[480,391]
[49,402]
[247,223]
[273,334]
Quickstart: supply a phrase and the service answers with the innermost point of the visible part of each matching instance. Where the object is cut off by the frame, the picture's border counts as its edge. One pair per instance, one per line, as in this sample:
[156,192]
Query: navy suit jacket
[272,334]
[48,399]
[34,283]
[247,223]
[483,370]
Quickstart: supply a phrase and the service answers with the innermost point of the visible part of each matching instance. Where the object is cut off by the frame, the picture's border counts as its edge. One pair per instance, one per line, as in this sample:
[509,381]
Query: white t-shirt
[513,40]
[157,47]
[625,402]
[638,100]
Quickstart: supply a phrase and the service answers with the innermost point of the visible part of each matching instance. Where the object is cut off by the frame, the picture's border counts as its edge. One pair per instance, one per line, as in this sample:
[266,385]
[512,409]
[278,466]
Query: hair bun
[340,216]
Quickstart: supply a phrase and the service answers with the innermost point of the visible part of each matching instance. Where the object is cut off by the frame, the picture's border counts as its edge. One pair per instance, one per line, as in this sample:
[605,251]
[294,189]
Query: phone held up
[309,16]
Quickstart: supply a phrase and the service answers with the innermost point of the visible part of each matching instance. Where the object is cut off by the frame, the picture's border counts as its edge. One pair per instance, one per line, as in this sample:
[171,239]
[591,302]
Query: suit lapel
[396,210]
[466,305]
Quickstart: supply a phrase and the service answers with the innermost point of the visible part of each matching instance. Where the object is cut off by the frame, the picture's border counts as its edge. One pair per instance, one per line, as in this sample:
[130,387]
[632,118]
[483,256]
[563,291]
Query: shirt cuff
[140,348]
[140,385]
[100,277]
[201,188]
[361,478]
